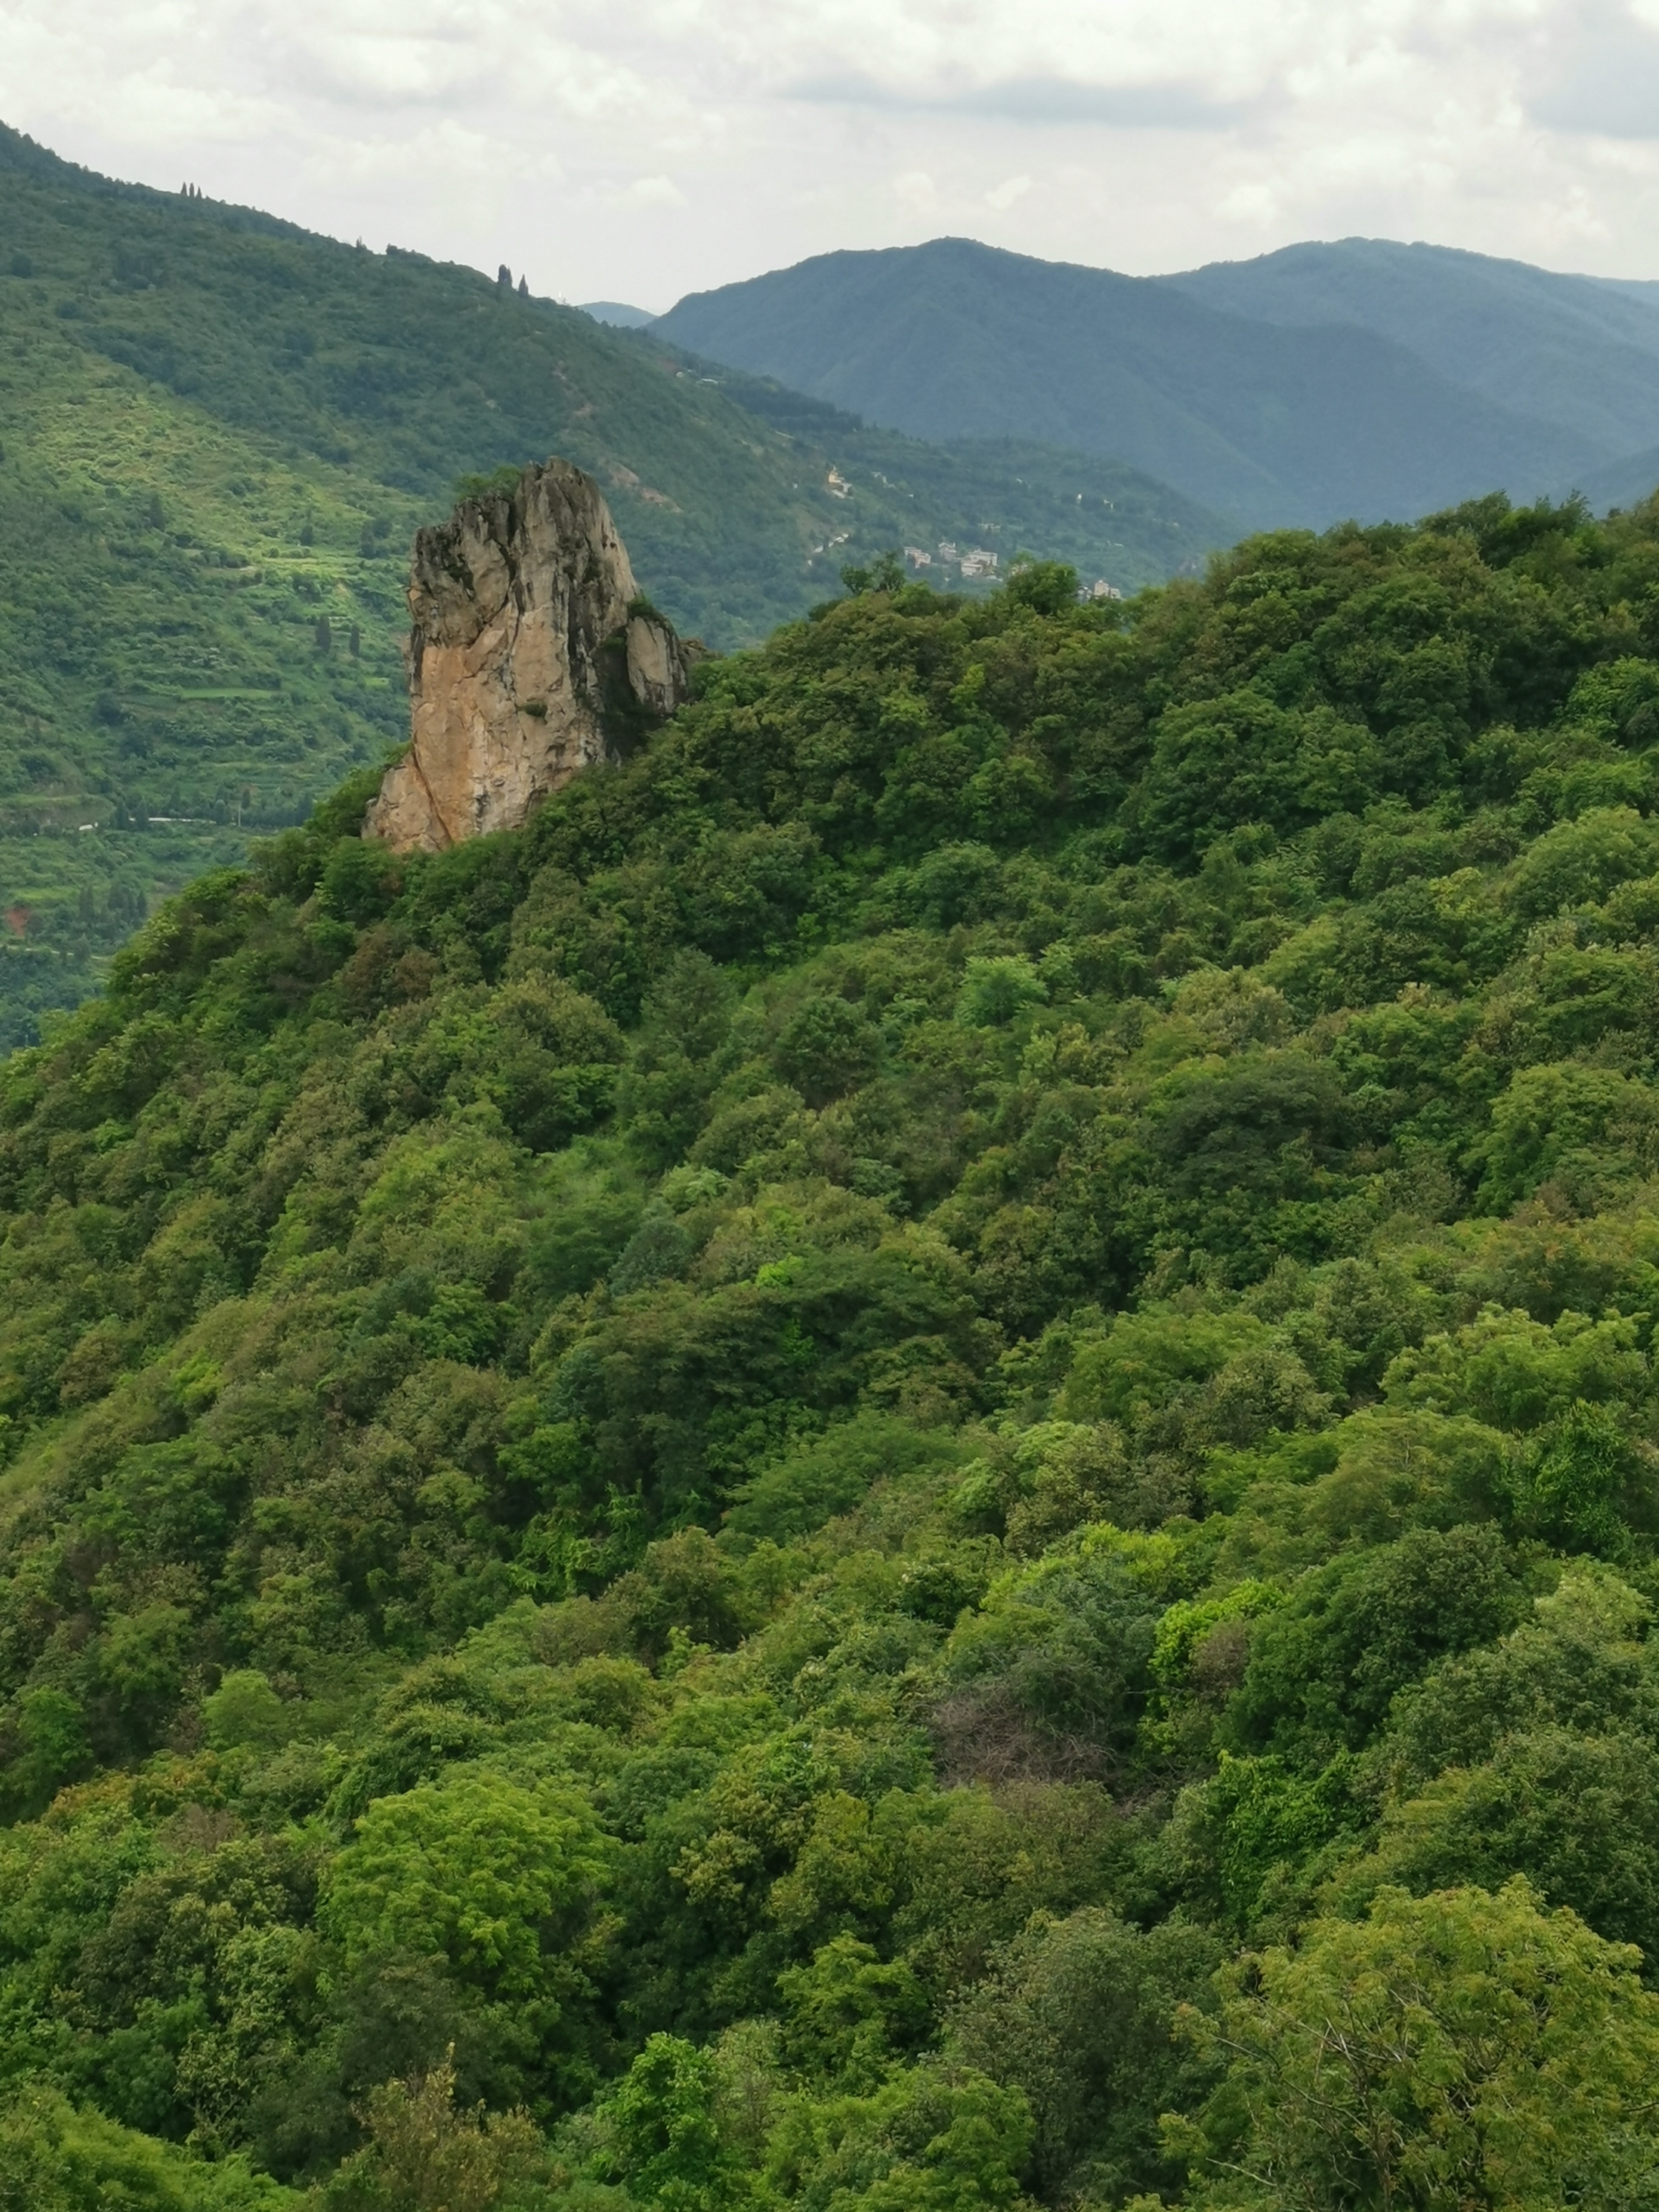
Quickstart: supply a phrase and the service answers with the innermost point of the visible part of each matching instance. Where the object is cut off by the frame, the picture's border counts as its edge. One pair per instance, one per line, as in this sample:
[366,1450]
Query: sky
[645,149]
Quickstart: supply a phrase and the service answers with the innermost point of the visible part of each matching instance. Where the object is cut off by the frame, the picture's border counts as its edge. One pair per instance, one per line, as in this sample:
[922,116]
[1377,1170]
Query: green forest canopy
[893,1468]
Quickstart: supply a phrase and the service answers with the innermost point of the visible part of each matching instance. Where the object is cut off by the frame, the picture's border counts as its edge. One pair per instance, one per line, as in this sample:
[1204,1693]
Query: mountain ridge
[1518,334]
[1296,411]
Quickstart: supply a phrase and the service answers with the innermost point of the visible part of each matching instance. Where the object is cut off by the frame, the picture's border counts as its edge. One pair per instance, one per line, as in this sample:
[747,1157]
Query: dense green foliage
[217,435]
[909,1464]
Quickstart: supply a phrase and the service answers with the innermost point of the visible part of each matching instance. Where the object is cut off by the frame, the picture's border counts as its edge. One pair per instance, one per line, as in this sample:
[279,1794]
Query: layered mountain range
[1362,378]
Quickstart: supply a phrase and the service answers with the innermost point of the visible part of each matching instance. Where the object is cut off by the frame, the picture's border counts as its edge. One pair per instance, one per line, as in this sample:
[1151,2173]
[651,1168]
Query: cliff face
[524,664]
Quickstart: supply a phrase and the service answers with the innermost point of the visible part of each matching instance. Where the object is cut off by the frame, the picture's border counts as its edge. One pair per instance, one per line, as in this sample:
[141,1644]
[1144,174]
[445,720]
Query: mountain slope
[1273,424]
[217,435]
[747,1474]
[1570,350]
[411,374]
[619,313]
[1624,482]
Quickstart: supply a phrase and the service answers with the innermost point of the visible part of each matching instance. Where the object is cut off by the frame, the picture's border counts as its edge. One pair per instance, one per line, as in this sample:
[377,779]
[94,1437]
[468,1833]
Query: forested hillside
[217,436]
[911,1465]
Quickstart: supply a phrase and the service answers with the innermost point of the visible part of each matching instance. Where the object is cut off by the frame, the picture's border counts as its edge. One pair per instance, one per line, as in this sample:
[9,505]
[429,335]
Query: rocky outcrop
[529,659]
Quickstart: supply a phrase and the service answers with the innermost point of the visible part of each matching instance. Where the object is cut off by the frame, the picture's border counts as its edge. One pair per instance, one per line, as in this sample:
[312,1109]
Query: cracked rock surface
[526,663]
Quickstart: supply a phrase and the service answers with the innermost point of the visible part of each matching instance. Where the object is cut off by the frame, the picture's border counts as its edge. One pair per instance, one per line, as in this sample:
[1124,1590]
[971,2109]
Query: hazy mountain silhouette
[1360,379]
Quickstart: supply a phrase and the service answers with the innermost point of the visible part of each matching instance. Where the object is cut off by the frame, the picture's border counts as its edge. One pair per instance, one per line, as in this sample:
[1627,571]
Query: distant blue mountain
[621,316]
[1359,379]
[1572,350]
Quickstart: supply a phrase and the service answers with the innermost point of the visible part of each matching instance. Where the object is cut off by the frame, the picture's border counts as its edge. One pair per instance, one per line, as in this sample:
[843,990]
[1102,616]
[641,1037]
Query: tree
[1577,1814]
[244,1708]
[424,2155]
[994,992]
[931,2138]
[664,2135]
[848,2010]
[476,1869]
[55,2159]
[1077,2013]
[886,574]
[1454,2049]
[1572,1492]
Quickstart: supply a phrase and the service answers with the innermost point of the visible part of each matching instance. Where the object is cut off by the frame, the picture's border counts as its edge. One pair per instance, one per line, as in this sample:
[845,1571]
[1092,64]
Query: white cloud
[654,193]
[466,157]
[1249,203]
[1597,70]
[1002,197]
[1182,129]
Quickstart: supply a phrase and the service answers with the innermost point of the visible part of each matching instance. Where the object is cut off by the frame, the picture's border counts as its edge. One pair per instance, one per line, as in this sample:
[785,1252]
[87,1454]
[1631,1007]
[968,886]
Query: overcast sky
[645,149]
